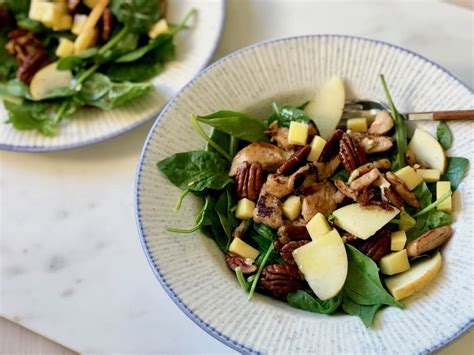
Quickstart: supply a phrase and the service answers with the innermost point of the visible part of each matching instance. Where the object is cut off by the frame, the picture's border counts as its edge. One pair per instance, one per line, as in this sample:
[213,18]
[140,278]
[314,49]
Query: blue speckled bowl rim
[141,233]
[106,137]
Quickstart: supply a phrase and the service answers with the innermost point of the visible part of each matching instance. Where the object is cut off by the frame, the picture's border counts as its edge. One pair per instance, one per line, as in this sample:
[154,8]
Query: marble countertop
[72,268]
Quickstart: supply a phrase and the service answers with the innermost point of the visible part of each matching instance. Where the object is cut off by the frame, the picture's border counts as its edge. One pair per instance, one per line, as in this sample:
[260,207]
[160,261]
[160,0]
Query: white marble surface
[71,265]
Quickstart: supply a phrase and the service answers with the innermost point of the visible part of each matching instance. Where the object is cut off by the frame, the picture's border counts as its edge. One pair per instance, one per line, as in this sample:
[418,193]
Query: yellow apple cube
[442,187]
[158,28]
[78,23]
[65,48]
[244,209]
[53,14]
[298,133]
[239,247]
[292,207]
[317,146]
[399,239]
[395,263]
[65,23]
[429,175]
[357,124]
[318,226]
[409,176]
[37,10]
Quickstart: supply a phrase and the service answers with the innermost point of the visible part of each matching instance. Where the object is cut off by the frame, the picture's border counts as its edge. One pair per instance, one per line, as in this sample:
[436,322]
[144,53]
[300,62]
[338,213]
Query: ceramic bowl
[194,49]
[192,269]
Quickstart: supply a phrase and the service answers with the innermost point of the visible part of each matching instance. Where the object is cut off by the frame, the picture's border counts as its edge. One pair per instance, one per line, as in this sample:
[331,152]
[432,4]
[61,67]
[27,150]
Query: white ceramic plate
[192,269]
[194,49]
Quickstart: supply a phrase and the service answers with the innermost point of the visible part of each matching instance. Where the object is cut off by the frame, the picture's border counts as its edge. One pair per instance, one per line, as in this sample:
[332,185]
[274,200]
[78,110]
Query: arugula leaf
[363,284]
[364,312]
[455,171]
[138,15]
[237,124]
[400,130]
[444,135]
[303,300]
[100,92]
[423,194]
[261,237]
[432,220]
[196,170]
[285,114]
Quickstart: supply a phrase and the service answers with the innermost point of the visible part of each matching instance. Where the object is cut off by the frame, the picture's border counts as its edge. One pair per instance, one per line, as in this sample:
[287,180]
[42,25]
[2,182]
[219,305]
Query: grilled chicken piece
[268,155]
[382,124]
[269,211]
[319,197]
[371,143]
[326,170]
[276,185]
[303,178]
[279,135]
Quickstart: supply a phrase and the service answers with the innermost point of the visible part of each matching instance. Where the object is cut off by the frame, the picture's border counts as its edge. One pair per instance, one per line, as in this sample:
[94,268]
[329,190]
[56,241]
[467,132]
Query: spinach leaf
[196,171]
[138,15]
[261,237]
[31,25]
[14,88]
[227,219]
[340,175]
[285,114]
[398,160]
[100,92]
[18,7]
[72,61]
[237,124]
[363,283]
[365,312]
[444,135]
[431,220]
[455,171]
[220,138]
[423,194]
[9,66]
[303,300]
[140,52]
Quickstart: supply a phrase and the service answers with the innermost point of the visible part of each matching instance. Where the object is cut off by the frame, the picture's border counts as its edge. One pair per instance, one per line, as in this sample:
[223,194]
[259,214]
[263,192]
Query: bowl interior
[192,269]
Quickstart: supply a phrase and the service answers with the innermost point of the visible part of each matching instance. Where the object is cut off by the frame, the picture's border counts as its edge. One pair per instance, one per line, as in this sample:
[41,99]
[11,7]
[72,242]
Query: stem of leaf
[59,115]
[180,199]
[213,144]
[240,277]
[183,24]
[259,271]
[85,75]
[433,205]
[118,37]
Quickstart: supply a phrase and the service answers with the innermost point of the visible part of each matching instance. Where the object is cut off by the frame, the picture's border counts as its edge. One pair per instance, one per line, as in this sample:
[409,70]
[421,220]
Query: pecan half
[351,154]
[331,148]
[389,195]
[287,250]
[376,246]
[381,164]
[106,23]
[365,180]
[246,265]
[382,124]
[281,279]
[5,17]
[249,180]
[429,241]
[296,160]
[289,232]
[402,189]
[269,211]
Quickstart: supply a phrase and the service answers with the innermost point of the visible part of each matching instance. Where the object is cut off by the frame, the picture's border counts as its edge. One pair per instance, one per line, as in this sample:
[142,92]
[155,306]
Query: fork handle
[441,115]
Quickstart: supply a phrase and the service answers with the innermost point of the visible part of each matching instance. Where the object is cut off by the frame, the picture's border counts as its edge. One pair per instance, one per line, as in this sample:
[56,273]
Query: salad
[58,56]
[327,219]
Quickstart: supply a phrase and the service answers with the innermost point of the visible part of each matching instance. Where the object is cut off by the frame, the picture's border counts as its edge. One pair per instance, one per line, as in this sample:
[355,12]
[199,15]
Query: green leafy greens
[303,300]
[444,135]
[455,171]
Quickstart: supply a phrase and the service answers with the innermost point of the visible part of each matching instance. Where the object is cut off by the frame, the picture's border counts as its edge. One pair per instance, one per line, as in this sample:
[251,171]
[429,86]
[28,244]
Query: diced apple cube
[78,24]
[443,187]
[37,10]
[65,47]
[399,239]
[53,14]
[318,226]
[292,207]
[357,124]
[65,23]
[429,175]
[317,146]
[158,28]
[298,133]
[409,176]
[239,247]
[244,209]
[394,263]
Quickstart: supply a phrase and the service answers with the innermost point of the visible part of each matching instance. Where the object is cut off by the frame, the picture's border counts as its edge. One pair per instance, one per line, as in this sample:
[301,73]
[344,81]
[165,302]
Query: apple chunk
[413,280]
[427,149]
[48,80]
[363,221]
[327,106]
[323,262]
